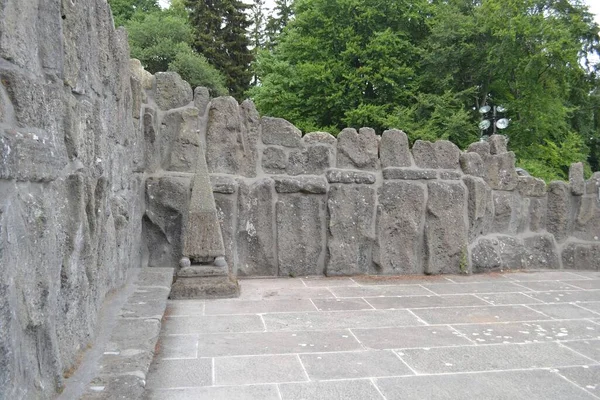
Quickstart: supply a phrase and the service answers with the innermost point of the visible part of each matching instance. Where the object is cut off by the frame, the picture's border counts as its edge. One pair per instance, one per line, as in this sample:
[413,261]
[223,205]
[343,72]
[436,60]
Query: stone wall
[71,187]
[293,205]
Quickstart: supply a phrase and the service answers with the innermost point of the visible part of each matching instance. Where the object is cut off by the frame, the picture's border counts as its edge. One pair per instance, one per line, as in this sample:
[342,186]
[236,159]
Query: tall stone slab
[351,229]
[232,137]
[225,189]
[256,241]
[394,150]
[301,225]
[400,222]
[581,256]
[559,221]
[576,179]
[480,206]
[358,150]
[446,228]
[500,171]
[508,212]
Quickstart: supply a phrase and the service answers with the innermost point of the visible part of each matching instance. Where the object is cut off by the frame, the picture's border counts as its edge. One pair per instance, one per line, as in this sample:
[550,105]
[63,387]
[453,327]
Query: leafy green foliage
[161,40]
[123,10]
[427,66]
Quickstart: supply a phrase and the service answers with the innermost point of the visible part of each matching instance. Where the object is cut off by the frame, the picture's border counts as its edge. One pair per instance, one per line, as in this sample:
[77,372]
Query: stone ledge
[350,176]
[128,354]
[409,174]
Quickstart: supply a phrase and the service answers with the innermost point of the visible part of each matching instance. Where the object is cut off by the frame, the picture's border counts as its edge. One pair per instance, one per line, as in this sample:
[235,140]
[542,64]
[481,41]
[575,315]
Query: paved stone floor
[501,336]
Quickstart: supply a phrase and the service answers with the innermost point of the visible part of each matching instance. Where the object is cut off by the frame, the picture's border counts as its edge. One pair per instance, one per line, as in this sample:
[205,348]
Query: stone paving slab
[530,332]
[410,337]
[508,385]
[331,320]
[360,364]
[488,314]
[490,357]
[258,369]
[518,335]
[383,303]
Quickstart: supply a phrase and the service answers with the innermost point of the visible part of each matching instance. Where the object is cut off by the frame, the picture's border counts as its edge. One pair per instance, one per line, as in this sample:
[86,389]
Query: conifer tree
[221,35]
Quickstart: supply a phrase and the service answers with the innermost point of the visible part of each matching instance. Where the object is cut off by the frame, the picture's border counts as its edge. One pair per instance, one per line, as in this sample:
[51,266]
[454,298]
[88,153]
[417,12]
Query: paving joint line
[358,340]
[461,334]
[482,299]
[577,352]
[377,388]
[416,316]
[366,301]
[557,372]
[303,367]
[587,309]
[415,373]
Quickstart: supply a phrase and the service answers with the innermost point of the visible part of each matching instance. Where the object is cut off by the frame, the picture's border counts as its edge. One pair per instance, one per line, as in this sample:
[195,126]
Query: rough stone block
[531,187]
[319,138]
[592,185]
[446,228]
[394,150]
[472,164]
[484,256]
[227,210]
[201,99]
[301,235]
[219,287]
[274,160]
[576,179]
[507,212]
[587,221]
[278,131]
[559,221]
[312,160]
[349,176]
[498,144]
[409,174]
[171,91]
[357,150]
[303,184]
[441,154]
[223,184]
[512,252]
[449,175]
[480,207]
[482,148]
[500,171]
[400,224]
[232,137]
[581,256]
[256,241]
[351,229]
[541,252]
[180,140]
[538,209]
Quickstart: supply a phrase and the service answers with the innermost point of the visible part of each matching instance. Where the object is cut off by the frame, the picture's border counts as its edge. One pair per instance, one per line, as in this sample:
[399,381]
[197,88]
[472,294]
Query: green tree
[161,41]
[257,33]
[123,10]
[220,34]
[281,15]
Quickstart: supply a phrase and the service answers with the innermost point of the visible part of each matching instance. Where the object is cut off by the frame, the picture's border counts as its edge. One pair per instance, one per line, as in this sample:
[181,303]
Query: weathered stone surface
[472,164]
[500,171]
[232,137]
[301,235]
[167,200]
[498,144]
[559,221]
[531,187]
[201,99]
[319,138]
[480,207]
[449,175]
[227,210]
[512,252]
[441,154]
[581,256]
[400,221]
[446,228]
[223,184]
[351,229]
[538,209]
[138,71]
[350,176]
[357,150]
[409,174]
[278,131]
[587,218]
[312,160]
[152,153]
[394,149]
[507,212]
[592,185]
[541,252]
[482,148]
[219,287]
[274,160]
[180,140]
[576,179]
[484,256]
[304,184]
[171,91]
[256,241]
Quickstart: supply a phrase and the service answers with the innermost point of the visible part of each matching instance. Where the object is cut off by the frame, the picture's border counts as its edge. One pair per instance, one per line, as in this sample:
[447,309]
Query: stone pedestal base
[204,282]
